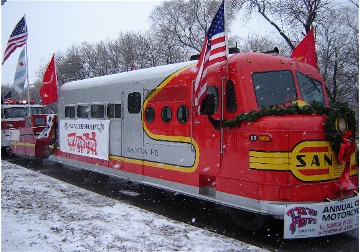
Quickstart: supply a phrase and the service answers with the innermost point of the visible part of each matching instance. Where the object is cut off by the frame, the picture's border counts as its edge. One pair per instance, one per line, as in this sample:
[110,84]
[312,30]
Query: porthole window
[150,114]
[166,114]
[182,114]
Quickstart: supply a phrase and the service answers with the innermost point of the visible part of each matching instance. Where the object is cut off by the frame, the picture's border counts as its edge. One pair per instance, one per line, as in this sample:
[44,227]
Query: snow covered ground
[40,213]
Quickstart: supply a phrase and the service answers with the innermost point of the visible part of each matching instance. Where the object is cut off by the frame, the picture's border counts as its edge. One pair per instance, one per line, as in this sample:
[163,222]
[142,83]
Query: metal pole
[222,116]
[27,70]
[192,114]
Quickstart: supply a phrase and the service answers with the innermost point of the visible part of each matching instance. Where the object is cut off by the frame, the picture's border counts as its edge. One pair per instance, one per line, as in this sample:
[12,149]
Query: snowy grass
[40,213]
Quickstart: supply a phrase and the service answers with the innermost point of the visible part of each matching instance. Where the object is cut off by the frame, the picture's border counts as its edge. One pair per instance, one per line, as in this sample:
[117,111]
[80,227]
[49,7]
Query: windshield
[273,88]
[311,89]
[20,112]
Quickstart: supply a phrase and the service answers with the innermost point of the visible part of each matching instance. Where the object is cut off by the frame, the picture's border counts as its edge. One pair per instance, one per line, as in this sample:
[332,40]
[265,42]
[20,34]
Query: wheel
[5,152]
[94,178]
[247,220]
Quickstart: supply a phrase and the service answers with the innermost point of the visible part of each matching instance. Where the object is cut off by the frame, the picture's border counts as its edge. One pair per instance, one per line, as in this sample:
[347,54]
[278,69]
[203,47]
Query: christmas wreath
[332,114]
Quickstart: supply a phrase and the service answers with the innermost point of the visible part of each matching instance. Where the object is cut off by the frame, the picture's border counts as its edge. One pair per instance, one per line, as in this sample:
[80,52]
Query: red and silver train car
[13,114]
[141,126]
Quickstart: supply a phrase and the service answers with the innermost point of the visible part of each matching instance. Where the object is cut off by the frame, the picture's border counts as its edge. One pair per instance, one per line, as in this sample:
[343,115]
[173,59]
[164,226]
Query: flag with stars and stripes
[20,74]
[6,98]
[213,51]
[17,38]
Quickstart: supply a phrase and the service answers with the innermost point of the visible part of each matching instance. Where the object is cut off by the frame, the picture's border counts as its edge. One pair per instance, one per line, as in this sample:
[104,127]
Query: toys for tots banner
[85,138]
[313,220]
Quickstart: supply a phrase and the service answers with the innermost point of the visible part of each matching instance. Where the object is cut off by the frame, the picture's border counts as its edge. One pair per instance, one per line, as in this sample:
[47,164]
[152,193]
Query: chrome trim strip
[276,209]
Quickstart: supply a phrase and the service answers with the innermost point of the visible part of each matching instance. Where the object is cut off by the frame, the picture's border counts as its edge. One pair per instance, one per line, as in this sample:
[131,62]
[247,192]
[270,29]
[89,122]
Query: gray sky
[54,26]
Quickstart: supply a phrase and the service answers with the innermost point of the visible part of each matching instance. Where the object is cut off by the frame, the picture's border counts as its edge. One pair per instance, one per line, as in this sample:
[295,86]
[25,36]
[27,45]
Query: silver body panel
[127,138]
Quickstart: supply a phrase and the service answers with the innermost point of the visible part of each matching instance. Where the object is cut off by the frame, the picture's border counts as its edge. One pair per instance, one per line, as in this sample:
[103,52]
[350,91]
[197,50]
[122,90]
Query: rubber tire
[94,178]
[247,220]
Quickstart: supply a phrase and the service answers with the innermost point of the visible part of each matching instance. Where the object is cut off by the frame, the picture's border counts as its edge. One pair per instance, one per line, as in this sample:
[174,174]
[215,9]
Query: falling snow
[40,213]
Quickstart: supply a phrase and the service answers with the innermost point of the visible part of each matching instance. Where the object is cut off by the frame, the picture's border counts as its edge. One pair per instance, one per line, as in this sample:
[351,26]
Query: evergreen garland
[334,111]
[331,113]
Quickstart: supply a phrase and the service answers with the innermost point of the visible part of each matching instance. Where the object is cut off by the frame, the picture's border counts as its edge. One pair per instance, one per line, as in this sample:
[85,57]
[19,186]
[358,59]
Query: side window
[182,114]
[150,114]
[70,112]
[114,110]
[37,111]
[39,121]
[166,114]
[311,89]
[231,104]
[97,111]
[82,111]
[28,122]
[134,103]
[210,104]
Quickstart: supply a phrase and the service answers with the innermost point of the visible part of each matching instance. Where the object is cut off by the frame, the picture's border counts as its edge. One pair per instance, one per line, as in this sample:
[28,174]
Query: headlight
[342,124]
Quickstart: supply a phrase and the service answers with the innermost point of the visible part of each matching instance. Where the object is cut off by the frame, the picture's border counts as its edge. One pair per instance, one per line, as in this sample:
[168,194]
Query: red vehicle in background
[25,129]
[13,114]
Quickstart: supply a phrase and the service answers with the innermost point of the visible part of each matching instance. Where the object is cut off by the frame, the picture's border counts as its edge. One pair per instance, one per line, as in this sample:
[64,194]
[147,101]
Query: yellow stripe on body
[278,161]
[182,139]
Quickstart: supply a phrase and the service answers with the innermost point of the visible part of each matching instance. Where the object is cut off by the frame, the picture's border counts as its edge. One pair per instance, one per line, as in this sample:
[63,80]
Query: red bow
[347,148]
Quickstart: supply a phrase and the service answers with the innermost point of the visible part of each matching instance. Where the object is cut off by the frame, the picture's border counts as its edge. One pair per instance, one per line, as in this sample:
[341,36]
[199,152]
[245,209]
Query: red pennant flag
[49,89]
[306,51]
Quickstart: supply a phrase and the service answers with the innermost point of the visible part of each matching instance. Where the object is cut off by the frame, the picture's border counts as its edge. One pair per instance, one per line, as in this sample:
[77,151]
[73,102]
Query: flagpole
[56,79]
[27,72]
[55,70]
[226,38]
[223,79]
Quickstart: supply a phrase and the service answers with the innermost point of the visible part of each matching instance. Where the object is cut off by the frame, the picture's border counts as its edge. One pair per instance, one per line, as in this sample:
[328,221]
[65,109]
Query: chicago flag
[21,73]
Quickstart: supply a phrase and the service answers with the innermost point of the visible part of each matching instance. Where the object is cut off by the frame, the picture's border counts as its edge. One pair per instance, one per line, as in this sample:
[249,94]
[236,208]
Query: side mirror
[208,105]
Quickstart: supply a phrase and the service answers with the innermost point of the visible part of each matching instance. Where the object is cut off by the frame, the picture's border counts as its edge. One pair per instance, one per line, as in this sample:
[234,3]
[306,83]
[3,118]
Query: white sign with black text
[313,220]
[85,137]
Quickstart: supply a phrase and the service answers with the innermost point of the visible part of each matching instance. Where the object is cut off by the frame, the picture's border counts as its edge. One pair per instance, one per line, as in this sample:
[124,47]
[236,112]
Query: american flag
[214,50]
[17,38]
[6,98]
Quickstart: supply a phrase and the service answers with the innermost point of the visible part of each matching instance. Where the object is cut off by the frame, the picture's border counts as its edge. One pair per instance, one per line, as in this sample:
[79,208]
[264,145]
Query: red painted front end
[297,164]
[28,141]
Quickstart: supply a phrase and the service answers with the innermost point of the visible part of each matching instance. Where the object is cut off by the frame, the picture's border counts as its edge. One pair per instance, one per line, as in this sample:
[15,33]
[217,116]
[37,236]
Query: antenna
[276,50]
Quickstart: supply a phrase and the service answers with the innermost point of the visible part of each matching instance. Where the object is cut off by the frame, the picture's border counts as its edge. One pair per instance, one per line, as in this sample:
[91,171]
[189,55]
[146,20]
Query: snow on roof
[126,77]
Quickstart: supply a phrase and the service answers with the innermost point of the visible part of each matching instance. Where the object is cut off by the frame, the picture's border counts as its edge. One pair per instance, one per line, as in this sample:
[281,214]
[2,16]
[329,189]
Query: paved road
[196,212]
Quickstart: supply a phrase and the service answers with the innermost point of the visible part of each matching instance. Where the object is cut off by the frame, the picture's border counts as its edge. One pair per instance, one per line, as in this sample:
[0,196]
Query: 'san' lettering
[301,161]
[328,160]
[315,161]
